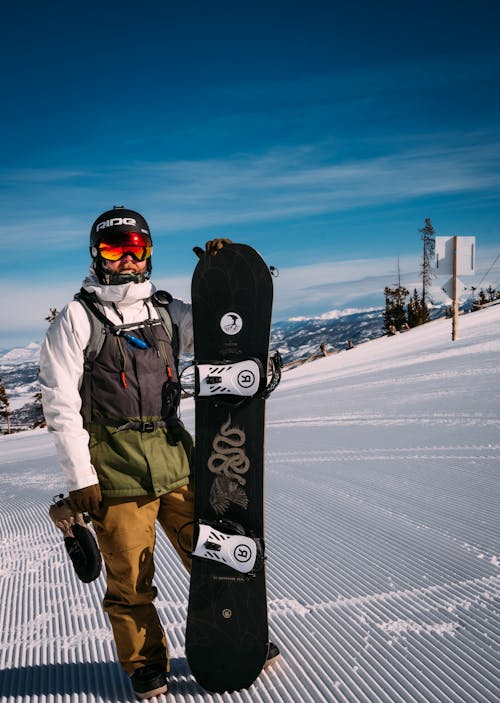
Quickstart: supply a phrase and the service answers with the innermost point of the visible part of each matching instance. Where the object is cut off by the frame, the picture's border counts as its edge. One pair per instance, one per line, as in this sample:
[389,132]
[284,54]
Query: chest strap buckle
[147,426]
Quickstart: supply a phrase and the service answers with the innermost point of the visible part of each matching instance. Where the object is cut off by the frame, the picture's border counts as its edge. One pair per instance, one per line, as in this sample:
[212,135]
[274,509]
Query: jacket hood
[123,294]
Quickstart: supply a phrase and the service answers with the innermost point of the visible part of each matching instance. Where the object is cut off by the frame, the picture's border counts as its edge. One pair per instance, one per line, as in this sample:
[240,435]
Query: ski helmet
[111,224]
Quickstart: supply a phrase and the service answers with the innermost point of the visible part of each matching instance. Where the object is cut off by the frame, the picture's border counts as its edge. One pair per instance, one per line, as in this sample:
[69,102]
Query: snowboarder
[113,414]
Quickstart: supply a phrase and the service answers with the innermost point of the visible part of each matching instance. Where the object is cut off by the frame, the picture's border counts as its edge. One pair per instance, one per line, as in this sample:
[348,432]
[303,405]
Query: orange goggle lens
[134,243]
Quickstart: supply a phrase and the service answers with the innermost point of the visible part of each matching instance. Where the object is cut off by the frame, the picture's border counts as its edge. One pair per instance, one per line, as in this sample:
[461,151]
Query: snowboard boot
[149,681]
[273,653]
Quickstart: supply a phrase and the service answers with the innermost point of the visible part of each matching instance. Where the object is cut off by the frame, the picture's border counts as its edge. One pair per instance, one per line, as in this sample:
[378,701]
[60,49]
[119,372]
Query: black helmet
[113,223]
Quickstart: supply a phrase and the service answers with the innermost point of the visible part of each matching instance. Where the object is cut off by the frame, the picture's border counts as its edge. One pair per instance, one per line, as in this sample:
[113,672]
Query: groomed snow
[383,539]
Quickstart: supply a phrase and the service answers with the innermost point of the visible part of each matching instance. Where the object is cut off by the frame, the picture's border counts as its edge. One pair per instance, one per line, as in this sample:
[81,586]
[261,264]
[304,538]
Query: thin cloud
[299,290]
[281,184]
[355,283]
[297,181]
[292,183]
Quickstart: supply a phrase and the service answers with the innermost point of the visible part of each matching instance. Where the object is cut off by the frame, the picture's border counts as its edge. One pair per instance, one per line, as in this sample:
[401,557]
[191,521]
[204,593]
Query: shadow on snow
[103,679]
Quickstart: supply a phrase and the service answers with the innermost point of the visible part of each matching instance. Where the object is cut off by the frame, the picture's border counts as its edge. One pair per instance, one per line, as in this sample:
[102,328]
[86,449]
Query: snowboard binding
[243,379]
[78,540]
[225,542]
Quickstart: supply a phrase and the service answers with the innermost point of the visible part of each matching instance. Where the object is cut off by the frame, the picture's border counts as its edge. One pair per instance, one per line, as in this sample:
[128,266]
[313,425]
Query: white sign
[466,256]
[448,288]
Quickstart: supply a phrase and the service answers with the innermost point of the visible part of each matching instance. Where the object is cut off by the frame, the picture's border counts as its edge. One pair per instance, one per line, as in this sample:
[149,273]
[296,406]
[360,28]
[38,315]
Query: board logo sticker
[231,323]
[246,378]
[242,553]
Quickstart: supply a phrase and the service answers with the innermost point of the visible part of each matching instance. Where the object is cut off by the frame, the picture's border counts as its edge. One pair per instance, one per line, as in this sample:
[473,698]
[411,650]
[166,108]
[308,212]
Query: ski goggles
[112,248]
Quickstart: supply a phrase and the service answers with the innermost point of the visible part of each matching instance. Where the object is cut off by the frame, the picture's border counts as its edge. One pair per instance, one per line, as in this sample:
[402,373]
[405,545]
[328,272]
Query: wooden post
[454,329]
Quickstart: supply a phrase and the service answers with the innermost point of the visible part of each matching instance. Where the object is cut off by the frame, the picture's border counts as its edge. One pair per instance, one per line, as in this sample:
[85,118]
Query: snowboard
[227,631]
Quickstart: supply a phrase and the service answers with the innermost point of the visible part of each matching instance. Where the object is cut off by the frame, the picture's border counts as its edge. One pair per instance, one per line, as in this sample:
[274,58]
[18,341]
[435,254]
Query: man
[125,455]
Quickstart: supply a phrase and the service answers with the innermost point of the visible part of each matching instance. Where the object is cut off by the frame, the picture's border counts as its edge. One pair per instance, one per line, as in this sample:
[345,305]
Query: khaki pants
[126,532]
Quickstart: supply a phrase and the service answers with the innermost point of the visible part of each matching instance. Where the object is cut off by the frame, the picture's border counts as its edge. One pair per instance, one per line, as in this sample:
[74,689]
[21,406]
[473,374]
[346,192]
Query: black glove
[79,541]
[86,500]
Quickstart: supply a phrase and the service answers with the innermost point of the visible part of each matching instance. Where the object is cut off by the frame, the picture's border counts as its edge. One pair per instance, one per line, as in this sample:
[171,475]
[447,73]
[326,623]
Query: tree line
[486,296]
[400,314]
[404,310]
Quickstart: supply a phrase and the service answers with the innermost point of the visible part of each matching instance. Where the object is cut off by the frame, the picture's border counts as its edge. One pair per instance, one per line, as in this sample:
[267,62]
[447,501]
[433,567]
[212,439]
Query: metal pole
[454,330]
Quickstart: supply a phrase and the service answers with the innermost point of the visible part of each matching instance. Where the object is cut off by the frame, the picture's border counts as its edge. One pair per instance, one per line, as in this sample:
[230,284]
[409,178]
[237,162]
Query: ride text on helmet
[114,221]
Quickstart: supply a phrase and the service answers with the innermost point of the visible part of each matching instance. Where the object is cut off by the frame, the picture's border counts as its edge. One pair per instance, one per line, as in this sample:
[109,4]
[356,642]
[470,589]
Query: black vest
[128,383]
[130,398]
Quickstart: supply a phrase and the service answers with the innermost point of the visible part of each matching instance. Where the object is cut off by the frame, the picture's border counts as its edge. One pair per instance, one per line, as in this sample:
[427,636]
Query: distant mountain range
[296,338]
[20,355]
[300,337]
[18,372]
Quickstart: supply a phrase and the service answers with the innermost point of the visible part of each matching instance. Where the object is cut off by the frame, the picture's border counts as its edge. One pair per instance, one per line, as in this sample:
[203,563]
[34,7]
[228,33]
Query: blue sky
[320,133]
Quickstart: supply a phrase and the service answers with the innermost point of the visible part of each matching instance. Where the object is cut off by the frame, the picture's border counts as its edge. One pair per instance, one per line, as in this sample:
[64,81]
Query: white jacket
[61,367]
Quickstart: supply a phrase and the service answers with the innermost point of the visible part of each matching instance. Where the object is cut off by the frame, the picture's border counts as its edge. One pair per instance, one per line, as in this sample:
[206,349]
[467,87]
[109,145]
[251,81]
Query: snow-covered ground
[383,539]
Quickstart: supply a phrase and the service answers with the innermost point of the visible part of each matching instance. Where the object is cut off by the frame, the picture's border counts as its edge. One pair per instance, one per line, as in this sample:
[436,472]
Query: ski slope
[383,540]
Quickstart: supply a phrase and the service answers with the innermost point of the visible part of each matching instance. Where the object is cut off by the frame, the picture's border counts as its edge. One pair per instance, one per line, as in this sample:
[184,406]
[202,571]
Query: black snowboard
[227,635]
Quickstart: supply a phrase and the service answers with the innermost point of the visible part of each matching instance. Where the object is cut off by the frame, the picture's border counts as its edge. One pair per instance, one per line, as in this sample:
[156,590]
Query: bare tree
[38,416]
[428,238]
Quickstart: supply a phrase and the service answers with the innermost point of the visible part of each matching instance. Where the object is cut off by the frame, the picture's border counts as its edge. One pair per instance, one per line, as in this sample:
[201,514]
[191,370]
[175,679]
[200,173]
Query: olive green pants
[126,532]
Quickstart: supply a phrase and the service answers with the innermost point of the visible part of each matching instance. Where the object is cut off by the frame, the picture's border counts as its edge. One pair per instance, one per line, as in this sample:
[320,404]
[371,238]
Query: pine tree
[5,406]
[417,311]
[428,238]
[412,309]
[492,294]
[395,314]
[487,296]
